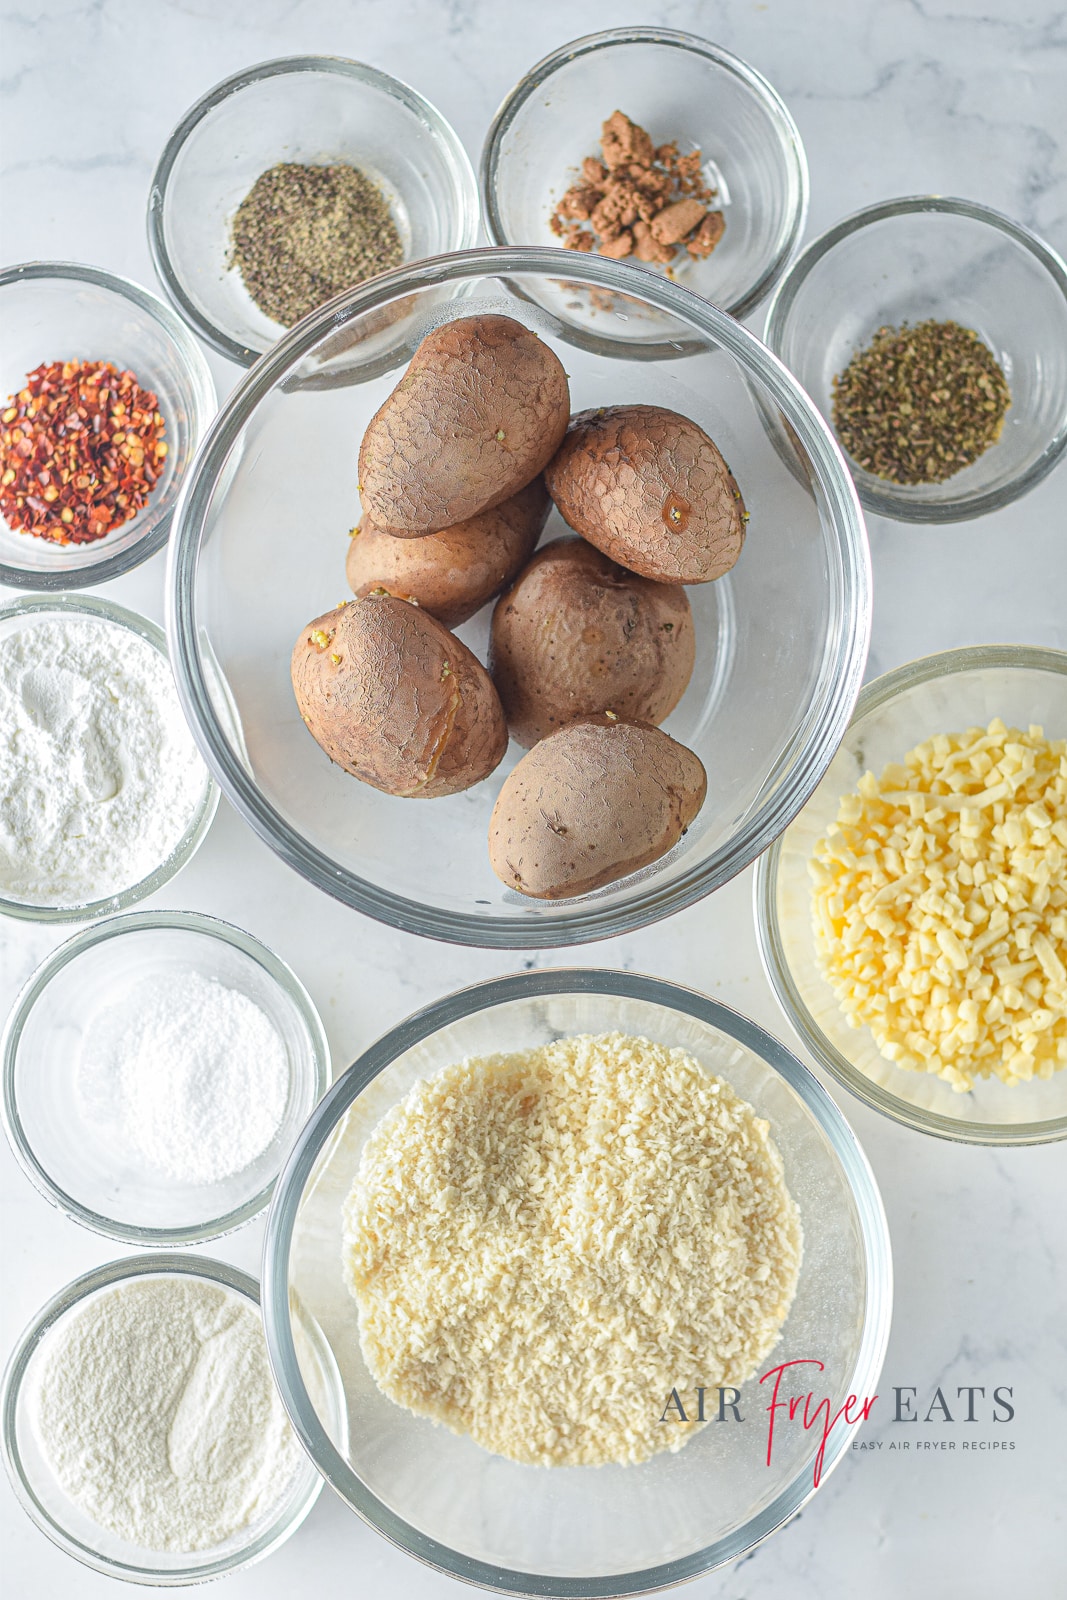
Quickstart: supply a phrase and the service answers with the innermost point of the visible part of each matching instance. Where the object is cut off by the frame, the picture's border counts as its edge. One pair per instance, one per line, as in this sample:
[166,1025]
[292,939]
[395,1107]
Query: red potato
[651,490]
[451,574]
[481,409]
[591,804]
[397,700]
[577,634]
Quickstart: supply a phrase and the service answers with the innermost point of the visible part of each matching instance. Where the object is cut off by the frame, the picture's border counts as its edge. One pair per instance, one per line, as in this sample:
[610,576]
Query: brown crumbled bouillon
[302,234]
[920,403]
[638,200]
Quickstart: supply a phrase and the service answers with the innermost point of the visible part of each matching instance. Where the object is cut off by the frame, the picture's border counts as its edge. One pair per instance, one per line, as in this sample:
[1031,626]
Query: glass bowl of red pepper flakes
[104,395]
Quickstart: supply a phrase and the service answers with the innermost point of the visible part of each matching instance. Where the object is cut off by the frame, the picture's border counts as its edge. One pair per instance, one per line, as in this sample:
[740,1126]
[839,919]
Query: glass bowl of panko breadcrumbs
[913,919]
[566,1236]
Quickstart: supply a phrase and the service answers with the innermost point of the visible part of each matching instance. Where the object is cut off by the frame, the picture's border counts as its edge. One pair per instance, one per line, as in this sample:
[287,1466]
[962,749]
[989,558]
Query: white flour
[158,1415]
[190,1077]
[99,775]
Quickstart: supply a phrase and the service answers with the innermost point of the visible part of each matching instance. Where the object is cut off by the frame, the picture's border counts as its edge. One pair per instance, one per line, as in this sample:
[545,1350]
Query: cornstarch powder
[99,775]
[158,1415]
[189,1077]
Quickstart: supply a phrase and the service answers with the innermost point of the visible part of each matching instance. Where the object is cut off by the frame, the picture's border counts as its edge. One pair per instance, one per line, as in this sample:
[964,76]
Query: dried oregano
[920,403]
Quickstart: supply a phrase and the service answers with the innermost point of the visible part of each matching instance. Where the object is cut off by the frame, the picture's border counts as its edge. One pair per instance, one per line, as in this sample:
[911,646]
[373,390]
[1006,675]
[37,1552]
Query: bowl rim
[92,605]
[361,73]
[65,1300]
[281,1223]
[315,1068]
[889,502]
[789,138]
[925,669]
[850,626]
[187,355]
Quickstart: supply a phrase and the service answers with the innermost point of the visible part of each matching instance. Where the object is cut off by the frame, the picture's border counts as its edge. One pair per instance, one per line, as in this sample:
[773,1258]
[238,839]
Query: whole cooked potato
[577,634]
[397,700]
[453,573]
[650,489]
[479,412]
[591,803]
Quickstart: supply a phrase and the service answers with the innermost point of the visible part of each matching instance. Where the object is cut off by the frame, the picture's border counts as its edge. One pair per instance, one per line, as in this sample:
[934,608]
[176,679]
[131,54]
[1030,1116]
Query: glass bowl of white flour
[142,1431]
[103,794]
[156,1069]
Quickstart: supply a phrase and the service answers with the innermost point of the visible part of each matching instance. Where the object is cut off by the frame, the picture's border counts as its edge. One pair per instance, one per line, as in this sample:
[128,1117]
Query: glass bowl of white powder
[484,1513]
[157,1068]
[103,794]
[142,1431]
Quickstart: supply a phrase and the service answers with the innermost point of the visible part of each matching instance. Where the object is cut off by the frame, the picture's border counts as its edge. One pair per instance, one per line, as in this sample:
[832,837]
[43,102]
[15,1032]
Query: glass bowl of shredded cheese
[552,1229]
[913,918]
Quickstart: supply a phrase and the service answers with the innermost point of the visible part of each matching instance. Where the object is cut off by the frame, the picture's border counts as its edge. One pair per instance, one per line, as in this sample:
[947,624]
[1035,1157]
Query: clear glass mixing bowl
[63,311]
[944,693]
[74,1155]
[932,257]
[45,1499]
[260,550]
[678,87]
[313,109]
[579,1531]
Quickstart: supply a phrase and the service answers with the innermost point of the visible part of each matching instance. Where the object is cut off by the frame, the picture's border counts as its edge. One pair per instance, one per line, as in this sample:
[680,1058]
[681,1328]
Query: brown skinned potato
[479,412]
[577,634]
[650,489]
[453,573]
[397,700]
[590,804]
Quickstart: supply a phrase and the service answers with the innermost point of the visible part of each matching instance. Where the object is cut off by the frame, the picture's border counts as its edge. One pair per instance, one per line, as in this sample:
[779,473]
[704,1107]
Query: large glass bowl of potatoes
[597,734]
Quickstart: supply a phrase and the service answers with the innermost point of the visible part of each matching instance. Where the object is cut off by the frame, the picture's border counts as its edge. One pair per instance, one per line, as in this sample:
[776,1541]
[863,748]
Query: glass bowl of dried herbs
[932,335]
[292,181]
[104,396]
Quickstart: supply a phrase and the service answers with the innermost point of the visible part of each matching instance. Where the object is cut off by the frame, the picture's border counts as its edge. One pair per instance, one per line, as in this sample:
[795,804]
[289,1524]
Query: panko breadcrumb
[543,1245]
[939,906]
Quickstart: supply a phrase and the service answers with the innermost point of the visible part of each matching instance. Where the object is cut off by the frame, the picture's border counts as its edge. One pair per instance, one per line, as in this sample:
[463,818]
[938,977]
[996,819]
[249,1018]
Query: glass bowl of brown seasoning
[932,335]
[292,181]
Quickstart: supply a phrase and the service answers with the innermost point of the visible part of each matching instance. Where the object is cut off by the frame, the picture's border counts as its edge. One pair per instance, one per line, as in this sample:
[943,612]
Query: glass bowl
[60,311]
[74,1153]
[13,618]
[260,549]
[47,1503]
[925,257]
[578,1531]
[944,693]
[677,86]
[312,109]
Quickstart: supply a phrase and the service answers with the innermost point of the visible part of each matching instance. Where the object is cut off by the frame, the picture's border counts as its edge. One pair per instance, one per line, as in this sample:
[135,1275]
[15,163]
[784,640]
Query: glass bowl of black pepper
[293,180]
[80,349]
[932,334]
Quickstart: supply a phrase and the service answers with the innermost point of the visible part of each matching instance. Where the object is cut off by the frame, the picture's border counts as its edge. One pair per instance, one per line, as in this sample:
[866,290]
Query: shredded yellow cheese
[939,906]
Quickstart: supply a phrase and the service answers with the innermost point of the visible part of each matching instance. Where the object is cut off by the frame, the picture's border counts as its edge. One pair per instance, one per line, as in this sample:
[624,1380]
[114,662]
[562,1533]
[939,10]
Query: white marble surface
[892,97]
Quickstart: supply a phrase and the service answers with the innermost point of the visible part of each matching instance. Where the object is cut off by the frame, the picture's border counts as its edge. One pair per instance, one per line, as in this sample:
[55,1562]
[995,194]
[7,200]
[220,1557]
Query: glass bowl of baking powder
[156,1070]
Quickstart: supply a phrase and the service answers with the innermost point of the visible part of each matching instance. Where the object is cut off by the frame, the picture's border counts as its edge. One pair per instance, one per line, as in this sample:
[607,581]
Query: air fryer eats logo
[815,1413]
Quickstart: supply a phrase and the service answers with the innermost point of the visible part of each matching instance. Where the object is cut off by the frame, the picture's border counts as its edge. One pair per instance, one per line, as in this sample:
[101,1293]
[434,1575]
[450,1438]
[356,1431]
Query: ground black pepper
[920,403]
[302,234]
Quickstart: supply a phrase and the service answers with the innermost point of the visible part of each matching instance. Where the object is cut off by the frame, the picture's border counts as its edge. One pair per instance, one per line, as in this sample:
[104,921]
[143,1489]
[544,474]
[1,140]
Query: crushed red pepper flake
[81,450]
